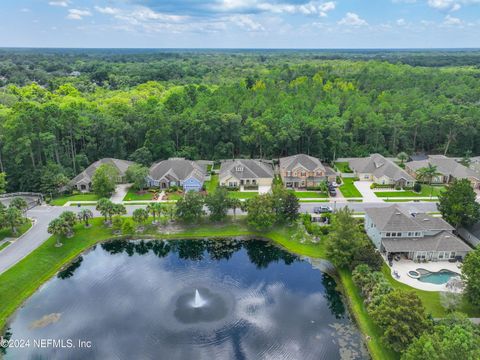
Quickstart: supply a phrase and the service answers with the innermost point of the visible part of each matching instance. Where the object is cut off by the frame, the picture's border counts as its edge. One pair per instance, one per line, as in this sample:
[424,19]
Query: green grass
[408,200]
[425,192]
[314,201]
[60,201]
[343,167]
[211,184]
[4,245]
[309,194]
[242,194]
[7,232]
[174,196]
[348,189]
[133,195]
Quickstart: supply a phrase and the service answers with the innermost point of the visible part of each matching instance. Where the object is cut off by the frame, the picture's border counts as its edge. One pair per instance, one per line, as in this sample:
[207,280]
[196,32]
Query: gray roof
[86,175]
[177,169]
[251,169]
[443,241]
[379,166]
[392,218]
[308,162]
[445,165]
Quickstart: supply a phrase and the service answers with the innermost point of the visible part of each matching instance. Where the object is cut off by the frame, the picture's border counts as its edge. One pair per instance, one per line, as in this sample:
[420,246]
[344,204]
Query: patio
[403,266]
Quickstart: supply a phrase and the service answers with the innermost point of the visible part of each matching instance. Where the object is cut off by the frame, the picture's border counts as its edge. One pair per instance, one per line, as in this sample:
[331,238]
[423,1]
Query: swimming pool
[439,277]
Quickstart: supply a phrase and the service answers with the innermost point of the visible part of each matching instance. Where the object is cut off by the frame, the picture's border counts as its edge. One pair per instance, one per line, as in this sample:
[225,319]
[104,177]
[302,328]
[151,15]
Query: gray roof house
[177,172]
[417,236]
[246,172]
[83,181]
[302,170]
[380,170]
[448,168]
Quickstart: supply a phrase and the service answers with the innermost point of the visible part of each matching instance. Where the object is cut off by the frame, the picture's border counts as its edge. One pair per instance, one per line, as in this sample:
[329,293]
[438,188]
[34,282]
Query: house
[448,168]
[300,171]
[187,174]
[416,236]
[471,234]
[380,170]
[246,173]
[83,181]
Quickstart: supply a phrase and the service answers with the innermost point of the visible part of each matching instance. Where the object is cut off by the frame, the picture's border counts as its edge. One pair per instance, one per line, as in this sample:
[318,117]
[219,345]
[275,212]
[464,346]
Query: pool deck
[403,266]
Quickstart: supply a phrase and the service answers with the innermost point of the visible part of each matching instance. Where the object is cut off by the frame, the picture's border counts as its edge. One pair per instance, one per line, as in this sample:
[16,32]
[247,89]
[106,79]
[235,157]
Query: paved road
[42,215]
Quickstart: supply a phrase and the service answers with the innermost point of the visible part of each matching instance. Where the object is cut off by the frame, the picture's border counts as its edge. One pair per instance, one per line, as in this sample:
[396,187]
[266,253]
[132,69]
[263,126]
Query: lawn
[343,167]
[211,184]
[4,233]
[242,194]
[133,195]
[4,245]
[174,196]
[62,200]
[310,194]
[425,192]
[348,188]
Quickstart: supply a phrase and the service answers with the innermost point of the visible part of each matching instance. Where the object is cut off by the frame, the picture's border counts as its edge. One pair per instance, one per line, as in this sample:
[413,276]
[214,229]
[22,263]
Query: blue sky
[241,23]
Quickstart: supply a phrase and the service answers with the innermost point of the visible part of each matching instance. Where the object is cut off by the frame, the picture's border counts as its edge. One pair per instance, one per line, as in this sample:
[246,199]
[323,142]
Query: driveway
[120,192]
[367,193]
[264,189]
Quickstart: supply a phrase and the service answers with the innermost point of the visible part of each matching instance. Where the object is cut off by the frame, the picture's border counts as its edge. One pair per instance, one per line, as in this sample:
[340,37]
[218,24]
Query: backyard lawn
[4,233]
[242,194]
[62,200]
[425,192]
[133,195]
[343,167]
[211,184]
[348,188]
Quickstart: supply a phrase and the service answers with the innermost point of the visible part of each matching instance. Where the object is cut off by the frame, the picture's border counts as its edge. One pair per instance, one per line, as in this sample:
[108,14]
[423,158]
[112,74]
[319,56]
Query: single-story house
[246,173]
[448,168]
[300,171]
[187,174]
[380,170]
[417,236]
[471,234]
[83,181]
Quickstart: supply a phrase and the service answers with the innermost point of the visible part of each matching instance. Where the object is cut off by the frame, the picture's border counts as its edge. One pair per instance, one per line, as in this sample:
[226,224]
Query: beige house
[380,170]
[448,168]
[301,171]
[246,173]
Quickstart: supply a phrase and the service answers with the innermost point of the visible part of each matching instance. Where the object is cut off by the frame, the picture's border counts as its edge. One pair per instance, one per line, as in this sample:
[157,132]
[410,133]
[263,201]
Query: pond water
[186,299]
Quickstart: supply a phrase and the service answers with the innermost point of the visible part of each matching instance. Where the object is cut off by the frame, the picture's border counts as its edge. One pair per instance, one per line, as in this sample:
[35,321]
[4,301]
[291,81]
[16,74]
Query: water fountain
[198,301]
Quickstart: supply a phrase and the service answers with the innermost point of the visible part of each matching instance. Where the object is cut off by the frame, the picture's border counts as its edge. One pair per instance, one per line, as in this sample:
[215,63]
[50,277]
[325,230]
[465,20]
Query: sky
[240,23]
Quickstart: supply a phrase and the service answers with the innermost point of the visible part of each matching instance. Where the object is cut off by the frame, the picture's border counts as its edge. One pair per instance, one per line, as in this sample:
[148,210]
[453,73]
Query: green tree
[285,204]
[458,204]
[402,156]
[105,207]
[471,276]
[189,209]
[260,213]
[137,174]
[85,215]
[344,238]
[156,209]
[104,180]
[454,337]
[427,174]
[234,205]
[59,228]
[402,318]
[218,204]
[20,203]
[70,219]
[127,227]
[140,216]
[117,223]
[13,218]
[3,183]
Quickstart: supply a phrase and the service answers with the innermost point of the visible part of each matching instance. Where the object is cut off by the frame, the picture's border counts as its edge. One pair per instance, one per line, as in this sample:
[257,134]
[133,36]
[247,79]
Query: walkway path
[367,193]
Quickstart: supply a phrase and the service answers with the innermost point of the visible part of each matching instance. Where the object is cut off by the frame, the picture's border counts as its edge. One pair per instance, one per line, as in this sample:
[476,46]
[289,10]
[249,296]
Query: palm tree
[58,227]
[155,209]
[234,205]
[85,215]
[402,156]
[140,216]
[427,174]
[105,206]
[19,203]
[13,217]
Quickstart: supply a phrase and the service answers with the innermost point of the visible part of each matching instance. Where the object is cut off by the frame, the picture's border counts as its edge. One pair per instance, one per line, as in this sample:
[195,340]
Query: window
[410,233]
[239,168]
[417,233]
[452,255]
[387,234]
[304,173]
[289,173]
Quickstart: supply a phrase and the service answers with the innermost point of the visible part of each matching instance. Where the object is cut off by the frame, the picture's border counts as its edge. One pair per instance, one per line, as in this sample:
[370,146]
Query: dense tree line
[253,105]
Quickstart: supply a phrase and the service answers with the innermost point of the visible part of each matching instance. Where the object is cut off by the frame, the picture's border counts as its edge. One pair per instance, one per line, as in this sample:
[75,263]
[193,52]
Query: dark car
[332,192]
[322,209]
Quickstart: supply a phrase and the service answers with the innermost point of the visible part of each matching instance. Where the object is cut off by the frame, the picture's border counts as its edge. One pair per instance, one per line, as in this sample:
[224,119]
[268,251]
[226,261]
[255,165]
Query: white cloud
[452,21]
[62,3]
[25,10]
[246,22]
[107,10]
[401,22]
[77,14]
[313,7]
[352,19]
[450,5]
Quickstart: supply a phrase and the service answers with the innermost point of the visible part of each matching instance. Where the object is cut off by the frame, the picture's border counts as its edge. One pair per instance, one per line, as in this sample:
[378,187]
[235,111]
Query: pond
[186,299]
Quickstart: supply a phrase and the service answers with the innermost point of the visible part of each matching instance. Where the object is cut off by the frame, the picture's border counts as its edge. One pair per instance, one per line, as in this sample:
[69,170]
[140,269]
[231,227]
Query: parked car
[335,185]
[332,192]
[322,209]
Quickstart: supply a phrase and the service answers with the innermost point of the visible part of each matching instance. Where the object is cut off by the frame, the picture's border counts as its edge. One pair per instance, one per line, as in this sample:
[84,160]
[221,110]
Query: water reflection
[133,300]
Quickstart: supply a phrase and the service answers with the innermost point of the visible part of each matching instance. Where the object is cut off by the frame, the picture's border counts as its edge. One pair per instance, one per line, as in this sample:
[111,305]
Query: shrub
[417,187]
[367,254]
[127,227]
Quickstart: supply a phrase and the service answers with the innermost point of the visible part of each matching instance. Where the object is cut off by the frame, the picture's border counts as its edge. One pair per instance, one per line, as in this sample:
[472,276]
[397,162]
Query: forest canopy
[62,110]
